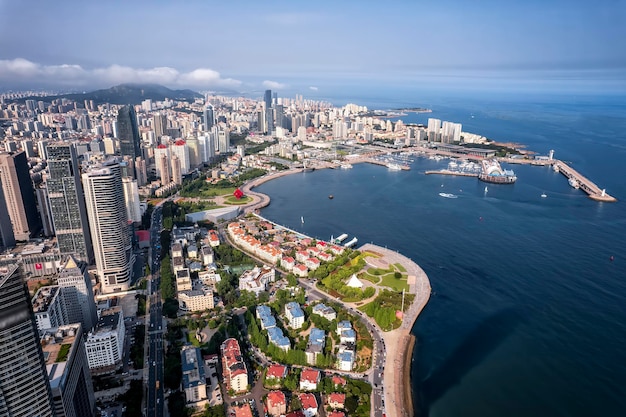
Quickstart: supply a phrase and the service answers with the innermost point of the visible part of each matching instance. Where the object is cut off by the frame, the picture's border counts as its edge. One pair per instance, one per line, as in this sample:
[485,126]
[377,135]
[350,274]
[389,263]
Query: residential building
[275,336]
[264,313]
[242,410]
[23,378]
[337,400]
[196,300]
[323,310]
[309,404]
[68,371]
[256,280]
[234,368]
[295,315]
[315,345]
[194,379]
[105,345]
[276,372]
[49,308]
[309,378]
[276,403]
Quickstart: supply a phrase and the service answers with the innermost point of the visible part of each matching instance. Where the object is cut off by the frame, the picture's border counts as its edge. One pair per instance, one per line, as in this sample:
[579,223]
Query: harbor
[593,191]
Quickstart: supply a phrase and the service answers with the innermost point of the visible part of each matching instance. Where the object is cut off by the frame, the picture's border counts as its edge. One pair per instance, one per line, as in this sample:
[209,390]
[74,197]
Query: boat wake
[448,195]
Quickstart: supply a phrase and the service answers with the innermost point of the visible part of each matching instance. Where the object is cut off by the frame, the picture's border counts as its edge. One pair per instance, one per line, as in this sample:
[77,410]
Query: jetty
[448,172]
[594,192]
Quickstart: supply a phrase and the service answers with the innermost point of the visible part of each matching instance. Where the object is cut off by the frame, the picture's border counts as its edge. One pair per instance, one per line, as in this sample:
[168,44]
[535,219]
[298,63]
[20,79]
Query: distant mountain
[128,94]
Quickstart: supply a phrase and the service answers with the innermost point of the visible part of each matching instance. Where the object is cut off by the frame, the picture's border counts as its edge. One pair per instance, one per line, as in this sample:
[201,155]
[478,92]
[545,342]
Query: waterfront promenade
[399,342]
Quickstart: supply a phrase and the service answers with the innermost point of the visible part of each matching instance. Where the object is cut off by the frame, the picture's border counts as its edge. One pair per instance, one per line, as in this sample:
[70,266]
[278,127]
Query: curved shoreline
[398,400]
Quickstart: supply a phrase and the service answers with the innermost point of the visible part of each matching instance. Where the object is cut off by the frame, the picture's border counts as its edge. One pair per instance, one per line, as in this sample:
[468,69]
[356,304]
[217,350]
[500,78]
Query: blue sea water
[528,311]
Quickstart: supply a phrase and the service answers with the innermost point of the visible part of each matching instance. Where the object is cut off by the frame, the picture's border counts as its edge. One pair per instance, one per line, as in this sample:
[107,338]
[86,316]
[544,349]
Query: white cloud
[312,88]
[274,85]
[23,71]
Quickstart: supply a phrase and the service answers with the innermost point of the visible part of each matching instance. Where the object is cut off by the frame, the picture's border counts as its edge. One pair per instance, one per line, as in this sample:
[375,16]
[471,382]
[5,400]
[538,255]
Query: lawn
[371,278]
[233,200]
[399,267]
[215,191]
[399,284]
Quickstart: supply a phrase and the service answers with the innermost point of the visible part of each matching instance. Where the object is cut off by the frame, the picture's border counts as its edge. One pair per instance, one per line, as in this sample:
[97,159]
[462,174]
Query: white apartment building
[105,345]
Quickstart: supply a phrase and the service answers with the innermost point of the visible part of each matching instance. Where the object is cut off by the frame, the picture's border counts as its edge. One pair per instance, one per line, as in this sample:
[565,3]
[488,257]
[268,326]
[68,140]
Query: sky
[313,47]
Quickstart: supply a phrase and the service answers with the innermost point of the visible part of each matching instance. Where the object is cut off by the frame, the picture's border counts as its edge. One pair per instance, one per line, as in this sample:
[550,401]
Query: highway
[154,402]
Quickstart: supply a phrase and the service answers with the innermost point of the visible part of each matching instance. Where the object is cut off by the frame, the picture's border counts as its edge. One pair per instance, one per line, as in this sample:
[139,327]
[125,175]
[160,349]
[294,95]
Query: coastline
[397,375]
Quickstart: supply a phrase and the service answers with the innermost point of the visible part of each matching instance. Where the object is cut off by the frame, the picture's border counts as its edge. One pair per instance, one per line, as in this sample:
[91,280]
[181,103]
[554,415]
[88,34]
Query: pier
[585,184]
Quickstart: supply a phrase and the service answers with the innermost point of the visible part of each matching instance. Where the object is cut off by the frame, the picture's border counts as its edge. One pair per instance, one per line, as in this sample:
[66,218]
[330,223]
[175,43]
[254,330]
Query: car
[153,363]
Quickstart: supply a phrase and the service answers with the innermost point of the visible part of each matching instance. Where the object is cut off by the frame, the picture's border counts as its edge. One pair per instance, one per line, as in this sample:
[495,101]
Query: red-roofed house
[321,245]
[143,237]
[309,404]
[233,367]
[302,256]
[242,410]
[337,400]
[336,414]
[287,263]
[300,270]
[276,371]
[276,403]
[338,381]
[313,251]
[309,378]
[295,414]
[312,263]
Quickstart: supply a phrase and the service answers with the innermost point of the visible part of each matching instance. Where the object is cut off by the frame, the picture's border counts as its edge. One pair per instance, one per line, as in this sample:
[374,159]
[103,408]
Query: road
[154,402]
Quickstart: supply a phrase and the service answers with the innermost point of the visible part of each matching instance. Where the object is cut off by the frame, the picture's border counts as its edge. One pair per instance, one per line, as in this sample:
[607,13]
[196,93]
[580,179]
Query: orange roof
[308,401]
[179,142]
[242,410]
[276,397]
[337,397]
[276,371]
[310,375]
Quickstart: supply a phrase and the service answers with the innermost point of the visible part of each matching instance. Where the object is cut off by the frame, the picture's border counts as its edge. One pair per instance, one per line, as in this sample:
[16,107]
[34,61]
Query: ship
[572,181]
[492,172]
[394,167]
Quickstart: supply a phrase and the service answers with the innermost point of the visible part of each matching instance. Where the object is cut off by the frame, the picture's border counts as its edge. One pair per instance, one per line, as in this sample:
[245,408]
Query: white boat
[346,166]
[394,167]
[543,195]
[486,189]
[448,195]
[573,182]
[302,219]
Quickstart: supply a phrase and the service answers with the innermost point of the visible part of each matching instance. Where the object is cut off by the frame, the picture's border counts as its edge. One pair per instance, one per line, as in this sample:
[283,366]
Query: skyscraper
[434,130]
[7,238]
[209,118]
[19,195]
[128,132]
[24,387]
[77,293]
[160,125]
[269,116]
[67,202]
[110,234]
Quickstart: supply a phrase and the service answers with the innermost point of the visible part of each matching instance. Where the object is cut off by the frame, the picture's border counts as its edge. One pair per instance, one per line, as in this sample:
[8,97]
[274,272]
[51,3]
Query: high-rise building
[105,345]
[181,150]
[177,173]
[19,195]
[194,152]
[162,163]
[67,202]
[68,371]
[24,387]
[209,118]
[108,221]
[75,283]
[131,197]
[7,238]
[223,141]
[269,119]
[128,132]
[434,130]
[159,122]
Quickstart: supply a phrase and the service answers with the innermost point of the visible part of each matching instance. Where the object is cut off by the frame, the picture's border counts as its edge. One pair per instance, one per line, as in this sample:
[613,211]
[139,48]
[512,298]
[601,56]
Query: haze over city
[312,48]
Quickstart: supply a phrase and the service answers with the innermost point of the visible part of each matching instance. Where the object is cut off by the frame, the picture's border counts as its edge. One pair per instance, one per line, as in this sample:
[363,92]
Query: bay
[527,315]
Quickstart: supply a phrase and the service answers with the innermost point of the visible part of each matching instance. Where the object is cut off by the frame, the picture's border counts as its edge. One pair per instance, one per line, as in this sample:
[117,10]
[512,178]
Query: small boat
[448,195]
[572,182]
[302,219]
[330,197]
[486,189]
[543,195]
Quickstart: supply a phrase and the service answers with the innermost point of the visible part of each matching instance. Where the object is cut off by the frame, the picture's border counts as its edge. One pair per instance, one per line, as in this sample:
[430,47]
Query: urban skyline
[449,43]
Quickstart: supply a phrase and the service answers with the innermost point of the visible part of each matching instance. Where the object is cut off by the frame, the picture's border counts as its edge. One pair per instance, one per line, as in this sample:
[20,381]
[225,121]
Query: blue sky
[295,45]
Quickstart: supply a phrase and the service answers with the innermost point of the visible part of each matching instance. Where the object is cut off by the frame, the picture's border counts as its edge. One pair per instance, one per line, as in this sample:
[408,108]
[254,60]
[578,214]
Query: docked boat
[346,166]
[573,183]
[448,195]
[492,172]
[394,167]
